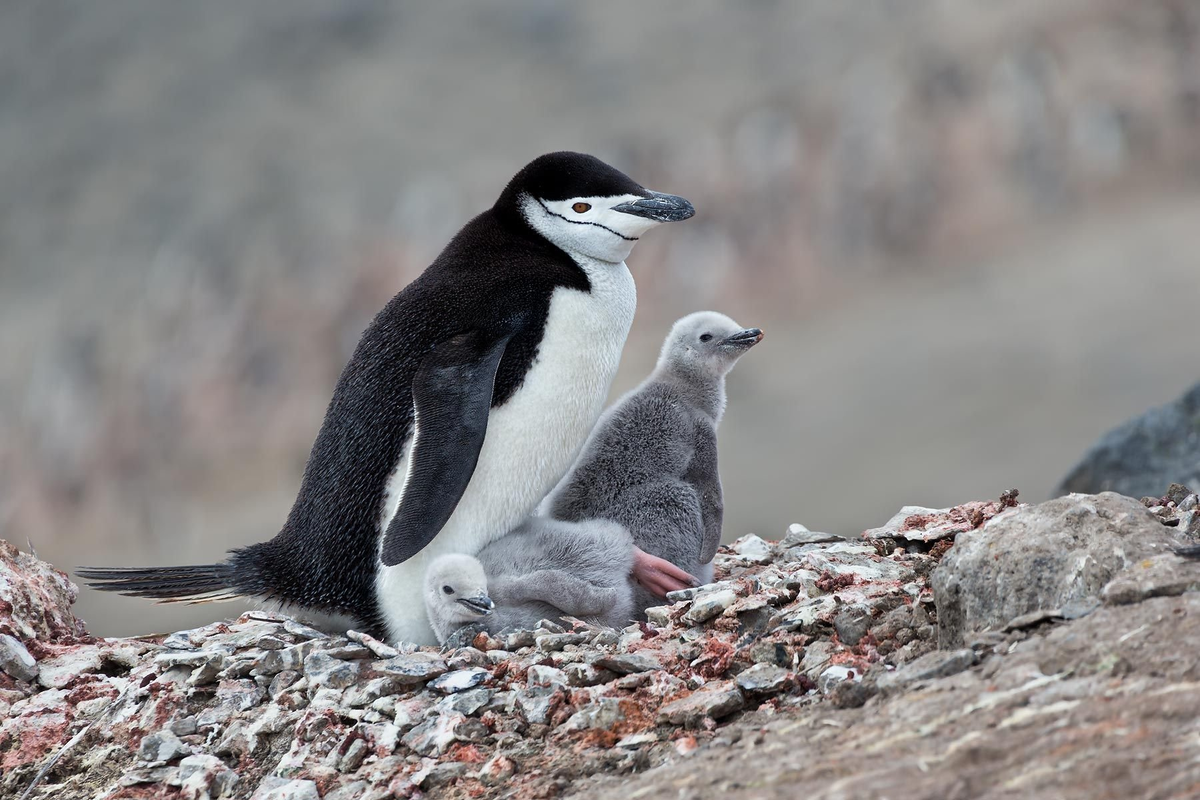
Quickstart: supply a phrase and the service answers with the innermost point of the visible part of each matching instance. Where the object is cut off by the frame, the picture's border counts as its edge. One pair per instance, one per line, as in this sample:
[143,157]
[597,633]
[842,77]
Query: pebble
[715,700]
[557,641]
[764,679]
[626,663]
[752,549]
[541,675]
[587,674]
[273,788]
[536,703]
[380,649]
[602,715]
[412,667]
[326,670]
[460,680]
[707,605]
[467,703]
[162,747]
[497,770]
[15,659]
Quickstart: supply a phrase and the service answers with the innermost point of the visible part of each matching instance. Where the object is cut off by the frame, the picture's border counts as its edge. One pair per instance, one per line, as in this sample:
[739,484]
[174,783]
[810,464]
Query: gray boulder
[1058,554]
[1144,455]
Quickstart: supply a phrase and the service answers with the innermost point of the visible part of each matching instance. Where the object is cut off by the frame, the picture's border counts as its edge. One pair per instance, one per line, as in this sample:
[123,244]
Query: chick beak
[746,338]
[481,604]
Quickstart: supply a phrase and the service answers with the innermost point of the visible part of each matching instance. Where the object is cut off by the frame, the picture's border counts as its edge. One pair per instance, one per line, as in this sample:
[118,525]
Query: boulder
[1060,553]
[1144,455]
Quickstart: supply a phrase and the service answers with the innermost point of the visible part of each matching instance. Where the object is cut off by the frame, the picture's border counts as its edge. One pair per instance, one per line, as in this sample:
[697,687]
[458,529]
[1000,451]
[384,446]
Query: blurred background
[971,231]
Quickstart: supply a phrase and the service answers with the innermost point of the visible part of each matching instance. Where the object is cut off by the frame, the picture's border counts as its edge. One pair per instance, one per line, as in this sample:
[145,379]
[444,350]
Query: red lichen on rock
[828,582]
[465,753]
[715,658]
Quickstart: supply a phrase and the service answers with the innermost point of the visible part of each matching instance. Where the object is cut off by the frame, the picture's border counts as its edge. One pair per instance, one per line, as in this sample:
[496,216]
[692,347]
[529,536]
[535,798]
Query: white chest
[531,440]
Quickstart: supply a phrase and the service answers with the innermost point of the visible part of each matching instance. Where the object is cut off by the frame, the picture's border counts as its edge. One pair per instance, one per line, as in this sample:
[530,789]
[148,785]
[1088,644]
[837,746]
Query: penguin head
[585,207]
[706,343]
[456,590]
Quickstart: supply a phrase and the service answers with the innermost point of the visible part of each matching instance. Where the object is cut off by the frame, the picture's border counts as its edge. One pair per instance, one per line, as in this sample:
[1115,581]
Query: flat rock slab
[1041,557]
[713,701]
[1101,707]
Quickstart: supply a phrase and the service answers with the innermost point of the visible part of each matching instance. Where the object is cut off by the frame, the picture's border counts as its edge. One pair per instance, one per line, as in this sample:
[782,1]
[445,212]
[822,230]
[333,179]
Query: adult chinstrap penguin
[545,569]
[651,462]
[466,400]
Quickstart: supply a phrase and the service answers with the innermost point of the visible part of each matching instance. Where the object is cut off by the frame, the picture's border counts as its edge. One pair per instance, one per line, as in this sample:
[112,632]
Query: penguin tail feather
[209,583]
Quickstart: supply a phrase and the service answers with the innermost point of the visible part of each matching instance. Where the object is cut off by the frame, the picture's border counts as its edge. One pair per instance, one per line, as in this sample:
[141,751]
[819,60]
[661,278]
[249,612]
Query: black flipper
[452,395]
[208,583]
[1190,551]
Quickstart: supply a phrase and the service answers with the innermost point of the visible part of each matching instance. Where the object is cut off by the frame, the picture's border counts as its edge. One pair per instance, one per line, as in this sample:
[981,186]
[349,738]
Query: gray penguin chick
[651,461]
[544,569]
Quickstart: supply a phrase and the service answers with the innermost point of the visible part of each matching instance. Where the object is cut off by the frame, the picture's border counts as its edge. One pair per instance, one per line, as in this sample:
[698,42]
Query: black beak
[660,207]
[481,605]
[747,338]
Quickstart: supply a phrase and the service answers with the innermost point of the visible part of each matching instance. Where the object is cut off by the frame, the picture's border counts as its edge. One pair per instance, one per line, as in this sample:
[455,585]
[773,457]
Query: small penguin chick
[650,463]
[544,569]
[700,350]
[455,593]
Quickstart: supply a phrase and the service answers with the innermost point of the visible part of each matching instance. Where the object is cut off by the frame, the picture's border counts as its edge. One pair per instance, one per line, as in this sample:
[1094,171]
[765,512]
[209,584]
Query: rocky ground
[1069,666]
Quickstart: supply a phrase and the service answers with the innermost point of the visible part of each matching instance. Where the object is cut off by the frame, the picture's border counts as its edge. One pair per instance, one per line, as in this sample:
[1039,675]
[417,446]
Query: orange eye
[580,208]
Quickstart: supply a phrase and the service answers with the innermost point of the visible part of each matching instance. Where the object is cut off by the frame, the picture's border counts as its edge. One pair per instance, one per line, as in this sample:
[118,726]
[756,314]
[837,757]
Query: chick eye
[704,337]
[580,208]
[448,589]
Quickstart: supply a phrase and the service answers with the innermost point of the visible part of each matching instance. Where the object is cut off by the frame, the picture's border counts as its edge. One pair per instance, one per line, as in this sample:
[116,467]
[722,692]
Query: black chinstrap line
[585,222]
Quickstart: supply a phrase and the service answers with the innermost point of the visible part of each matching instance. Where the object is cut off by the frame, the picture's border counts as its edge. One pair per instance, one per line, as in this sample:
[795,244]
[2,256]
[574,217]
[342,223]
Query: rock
[707,605]
[752,549]
[764,679]
[851,624]
[938,664]
[553,642]
[831,676]
[692,591]
[412,668]
[497,770]
[541,675]
[273,788]
[1040,557]
[1144,455]
[433,736]
[325,670]
[352,759]
[36,599]
[15,659]
[63,669]
[518,639]
[798,535]
[627,663]
[805,616]
[440,774]
[601,715]
[916,524]
[714,700]
[587,675]
[465,657]
[466,703]
[460,680]
[1164,575]
[636,740]
[162,747]
[537,703]
[378,648]
[659,616]
[204,776]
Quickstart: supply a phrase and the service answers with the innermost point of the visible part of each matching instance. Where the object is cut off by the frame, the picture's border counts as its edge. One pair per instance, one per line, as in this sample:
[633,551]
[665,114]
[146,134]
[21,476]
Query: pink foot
[659,576]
